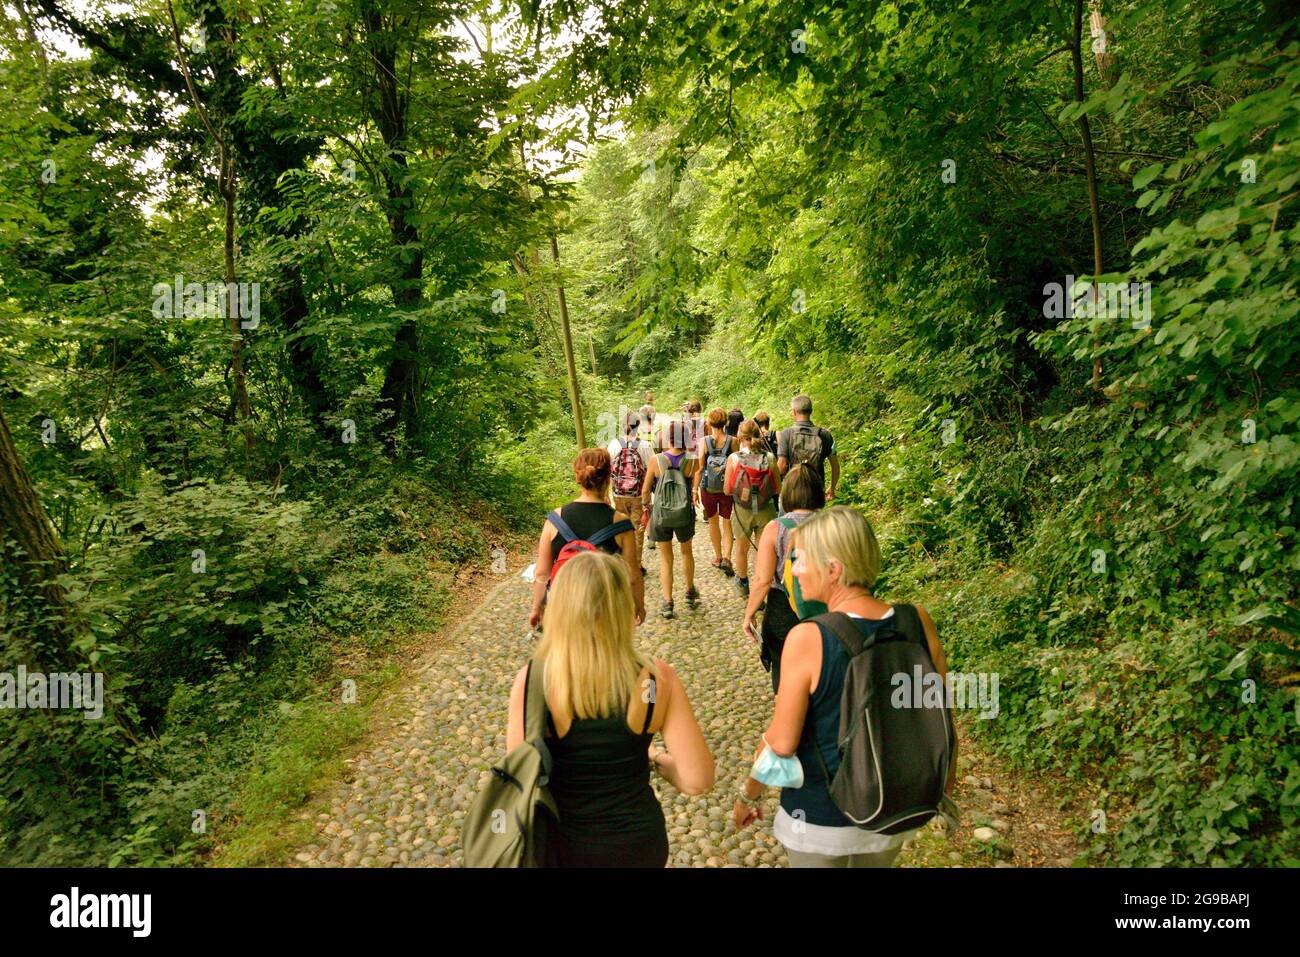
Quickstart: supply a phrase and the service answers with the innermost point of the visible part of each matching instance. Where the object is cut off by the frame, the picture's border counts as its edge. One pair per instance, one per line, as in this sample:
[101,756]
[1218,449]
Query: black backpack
[804,446]
[893,760]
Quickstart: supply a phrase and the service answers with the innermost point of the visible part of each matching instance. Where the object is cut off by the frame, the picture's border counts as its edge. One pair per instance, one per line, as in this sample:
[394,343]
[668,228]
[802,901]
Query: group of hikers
[590,703]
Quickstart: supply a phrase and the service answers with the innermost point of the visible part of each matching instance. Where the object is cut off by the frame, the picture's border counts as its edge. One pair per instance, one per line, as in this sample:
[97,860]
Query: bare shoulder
[668,682]
[802,638]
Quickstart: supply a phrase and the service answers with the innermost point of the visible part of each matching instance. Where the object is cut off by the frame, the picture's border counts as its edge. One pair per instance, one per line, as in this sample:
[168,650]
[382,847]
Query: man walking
[807,444]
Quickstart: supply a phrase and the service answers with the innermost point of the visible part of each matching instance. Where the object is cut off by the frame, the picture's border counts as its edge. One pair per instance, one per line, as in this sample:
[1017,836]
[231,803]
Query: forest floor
[407,788]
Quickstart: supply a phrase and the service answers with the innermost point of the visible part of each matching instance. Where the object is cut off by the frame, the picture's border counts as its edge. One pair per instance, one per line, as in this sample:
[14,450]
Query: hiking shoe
[719,563]
[742,586]
[692,596]
[666,609]
[726,568]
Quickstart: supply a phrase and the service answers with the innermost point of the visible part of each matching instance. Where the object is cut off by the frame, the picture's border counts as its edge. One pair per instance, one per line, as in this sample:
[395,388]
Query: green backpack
[513,818]
[801,606]
[672,506]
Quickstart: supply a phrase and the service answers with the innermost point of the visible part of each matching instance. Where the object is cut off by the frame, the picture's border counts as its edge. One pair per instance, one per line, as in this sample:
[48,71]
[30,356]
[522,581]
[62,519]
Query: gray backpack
[804,446]
[893,760]
[513,818]
[715,464]
[672,506]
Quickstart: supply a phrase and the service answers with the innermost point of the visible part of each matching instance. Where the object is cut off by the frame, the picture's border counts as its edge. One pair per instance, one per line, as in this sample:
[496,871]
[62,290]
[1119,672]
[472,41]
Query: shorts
[746,523]
[716,503]
[655,534]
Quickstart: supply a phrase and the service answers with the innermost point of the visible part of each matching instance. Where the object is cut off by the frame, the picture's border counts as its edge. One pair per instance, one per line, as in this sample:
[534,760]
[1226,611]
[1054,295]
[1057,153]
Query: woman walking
[605,700]
[837,564]
[587,516]
[714,450]
[802,495]
[752,483]
[669,510]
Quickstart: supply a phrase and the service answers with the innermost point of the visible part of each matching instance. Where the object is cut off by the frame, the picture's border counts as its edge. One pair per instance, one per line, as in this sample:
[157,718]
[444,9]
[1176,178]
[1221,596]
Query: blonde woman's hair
[591,663]
[843,534]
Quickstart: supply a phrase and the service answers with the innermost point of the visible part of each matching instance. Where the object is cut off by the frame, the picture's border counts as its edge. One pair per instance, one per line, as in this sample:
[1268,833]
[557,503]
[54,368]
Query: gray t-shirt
[827,440]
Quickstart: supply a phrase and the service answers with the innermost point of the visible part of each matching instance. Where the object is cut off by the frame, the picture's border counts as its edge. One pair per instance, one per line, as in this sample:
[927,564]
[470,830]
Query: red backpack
[573,544]
[751,487]
[629,471]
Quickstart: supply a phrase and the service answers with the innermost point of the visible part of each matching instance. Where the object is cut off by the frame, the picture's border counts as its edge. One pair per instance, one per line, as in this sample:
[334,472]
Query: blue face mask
[775,771]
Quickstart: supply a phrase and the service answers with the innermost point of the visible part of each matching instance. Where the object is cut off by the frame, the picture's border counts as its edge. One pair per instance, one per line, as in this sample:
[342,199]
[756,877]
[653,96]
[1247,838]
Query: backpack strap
[907,622]
[841,626]
[650,705]
[648,723]
[535,712]
[561,526]
[611,531]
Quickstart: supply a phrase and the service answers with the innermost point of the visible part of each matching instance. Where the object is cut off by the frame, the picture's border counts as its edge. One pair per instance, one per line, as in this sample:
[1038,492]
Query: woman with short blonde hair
[837,561]
[605,701]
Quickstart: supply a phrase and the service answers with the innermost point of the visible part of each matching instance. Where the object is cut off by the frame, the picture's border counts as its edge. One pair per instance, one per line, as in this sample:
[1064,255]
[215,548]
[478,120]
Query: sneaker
[692,596]
[726,567]
[742,586]
[719,563]
[666,609]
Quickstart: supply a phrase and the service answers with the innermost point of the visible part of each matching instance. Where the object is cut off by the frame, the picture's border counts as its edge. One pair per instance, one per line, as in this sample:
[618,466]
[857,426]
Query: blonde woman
[837,562]
[604,701]
[752,482]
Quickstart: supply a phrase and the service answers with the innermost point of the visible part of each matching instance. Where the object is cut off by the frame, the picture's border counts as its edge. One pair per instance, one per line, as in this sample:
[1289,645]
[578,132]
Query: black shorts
[654,534]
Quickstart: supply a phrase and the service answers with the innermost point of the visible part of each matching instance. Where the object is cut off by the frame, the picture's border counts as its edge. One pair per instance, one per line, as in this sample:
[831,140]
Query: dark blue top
[814,798]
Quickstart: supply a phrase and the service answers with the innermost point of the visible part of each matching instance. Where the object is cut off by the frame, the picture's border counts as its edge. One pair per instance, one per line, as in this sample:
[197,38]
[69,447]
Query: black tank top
[586,519]
[601,781]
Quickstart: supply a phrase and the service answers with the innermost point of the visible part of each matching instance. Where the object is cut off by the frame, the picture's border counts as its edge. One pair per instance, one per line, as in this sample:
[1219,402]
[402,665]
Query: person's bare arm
[515,711]
[541,572]
[648,483]
[940,665]
[801,662]
[782,464]
[627,545]
[688,766]
[835,474]
[760,583]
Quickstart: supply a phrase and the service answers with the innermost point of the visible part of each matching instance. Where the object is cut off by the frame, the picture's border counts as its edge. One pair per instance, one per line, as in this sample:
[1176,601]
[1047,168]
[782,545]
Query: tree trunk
[1090,162]
[40,558]
[575,399]
[400,393]
[232,311]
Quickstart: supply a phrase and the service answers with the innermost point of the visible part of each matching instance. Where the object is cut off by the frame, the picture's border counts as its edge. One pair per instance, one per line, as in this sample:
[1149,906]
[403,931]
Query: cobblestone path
[407,797]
